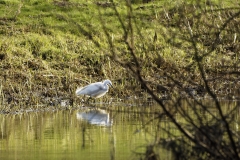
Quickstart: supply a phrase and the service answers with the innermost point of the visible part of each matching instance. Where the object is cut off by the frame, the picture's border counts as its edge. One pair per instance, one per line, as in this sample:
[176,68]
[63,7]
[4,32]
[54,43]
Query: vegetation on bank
[49,48]
[165,49]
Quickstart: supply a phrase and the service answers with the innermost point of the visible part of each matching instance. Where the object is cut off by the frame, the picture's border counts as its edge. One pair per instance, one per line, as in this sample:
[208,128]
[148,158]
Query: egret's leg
[85,101]
[92,104]
[88,100]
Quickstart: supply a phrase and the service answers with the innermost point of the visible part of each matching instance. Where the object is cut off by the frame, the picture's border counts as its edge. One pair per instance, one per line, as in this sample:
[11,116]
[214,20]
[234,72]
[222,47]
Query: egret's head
[108,82]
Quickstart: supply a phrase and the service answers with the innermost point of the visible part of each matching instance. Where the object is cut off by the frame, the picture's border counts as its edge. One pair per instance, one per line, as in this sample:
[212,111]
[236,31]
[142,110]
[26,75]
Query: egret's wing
[90,89]
[78,91]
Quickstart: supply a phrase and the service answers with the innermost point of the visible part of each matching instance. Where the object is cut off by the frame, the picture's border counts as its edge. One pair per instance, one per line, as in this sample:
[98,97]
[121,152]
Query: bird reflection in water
[97,117]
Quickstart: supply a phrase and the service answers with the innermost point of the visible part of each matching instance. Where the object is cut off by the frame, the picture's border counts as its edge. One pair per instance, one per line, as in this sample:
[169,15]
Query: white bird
[97,117]
[95,90]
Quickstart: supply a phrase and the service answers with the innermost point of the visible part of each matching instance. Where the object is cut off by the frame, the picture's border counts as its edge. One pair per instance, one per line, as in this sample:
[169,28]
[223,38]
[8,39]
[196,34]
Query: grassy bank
[49,48]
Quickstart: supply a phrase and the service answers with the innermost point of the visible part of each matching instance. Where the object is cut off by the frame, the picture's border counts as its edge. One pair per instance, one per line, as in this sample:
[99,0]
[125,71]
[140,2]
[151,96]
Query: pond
[83,133]
[73,134]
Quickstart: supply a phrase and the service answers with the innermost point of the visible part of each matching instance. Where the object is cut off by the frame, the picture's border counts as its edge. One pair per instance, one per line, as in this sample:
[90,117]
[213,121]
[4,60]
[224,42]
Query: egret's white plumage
[97,117]
[95,90]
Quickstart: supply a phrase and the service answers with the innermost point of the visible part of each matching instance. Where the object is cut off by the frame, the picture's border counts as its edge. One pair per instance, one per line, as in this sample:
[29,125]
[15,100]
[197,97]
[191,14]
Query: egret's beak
[110,85]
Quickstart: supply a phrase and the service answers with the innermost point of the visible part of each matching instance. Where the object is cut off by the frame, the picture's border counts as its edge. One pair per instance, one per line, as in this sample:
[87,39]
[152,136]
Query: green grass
[48,48]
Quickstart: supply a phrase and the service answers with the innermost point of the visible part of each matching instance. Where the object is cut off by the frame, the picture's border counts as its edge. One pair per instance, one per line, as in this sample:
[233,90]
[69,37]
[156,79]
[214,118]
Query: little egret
[95,90]
[98,117]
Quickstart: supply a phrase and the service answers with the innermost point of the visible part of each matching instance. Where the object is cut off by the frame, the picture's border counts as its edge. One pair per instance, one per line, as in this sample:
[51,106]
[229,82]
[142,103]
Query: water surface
[76,134]
[113,133]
